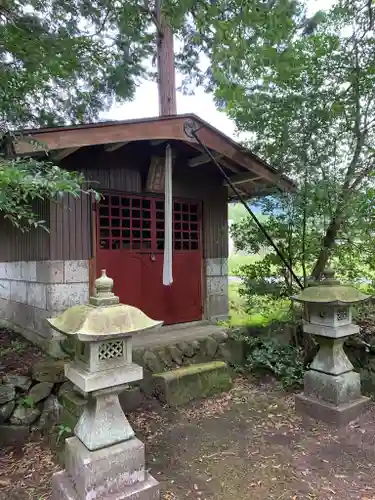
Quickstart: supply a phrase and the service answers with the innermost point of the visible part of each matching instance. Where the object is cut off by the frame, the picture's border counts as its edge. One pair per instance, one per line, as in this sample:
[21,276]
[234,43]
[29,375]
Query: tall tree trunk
[166,66]
[327,244]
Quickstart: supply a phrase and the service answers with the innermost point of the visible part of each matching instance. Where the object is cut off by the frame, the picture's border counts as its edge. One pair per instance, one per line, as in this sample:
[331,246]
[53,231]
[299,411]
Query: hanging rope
[191,131]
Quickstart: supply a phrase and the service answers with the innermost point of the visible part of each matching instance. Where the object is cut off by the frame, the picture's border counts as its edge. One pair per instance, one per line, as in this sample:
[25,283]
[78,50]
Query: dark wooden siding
[126,170]
[70,220]
[16,245]
[70,229]
[215,224]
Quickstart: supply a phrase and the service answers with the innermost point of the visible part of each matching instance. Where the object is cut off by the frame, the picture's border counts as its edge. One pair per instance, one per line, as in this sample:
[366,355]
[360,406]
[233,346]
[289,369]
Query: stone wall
[32,291]
[216,300]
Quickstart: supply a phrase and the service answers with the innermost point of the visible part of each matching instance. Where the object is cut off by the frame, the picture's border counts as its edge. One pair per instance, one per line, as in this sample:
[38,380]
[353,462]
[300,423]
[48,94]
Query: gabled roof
[247,171]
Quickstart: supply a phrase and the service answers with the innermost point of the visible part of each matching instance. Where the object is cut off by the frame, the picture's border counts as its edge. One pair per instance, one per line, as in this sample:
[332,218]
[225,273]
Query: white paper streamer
[167,264]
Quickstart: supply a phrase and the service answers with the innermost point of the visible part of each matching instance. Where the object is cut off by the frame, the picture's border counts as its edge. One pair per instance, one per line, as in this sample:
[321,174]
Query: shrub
[285,362]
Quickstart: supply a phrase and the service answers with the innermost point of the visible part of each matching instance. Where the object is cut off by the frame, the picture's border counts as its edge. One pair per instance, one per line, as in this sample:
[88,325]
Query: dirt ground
[246,444]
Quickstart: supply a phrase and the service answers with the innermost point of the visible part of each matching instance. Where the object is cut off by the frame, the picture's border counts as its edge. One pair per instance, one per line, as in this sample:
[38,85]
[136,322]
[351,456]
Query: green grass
[238,316]
[235,261]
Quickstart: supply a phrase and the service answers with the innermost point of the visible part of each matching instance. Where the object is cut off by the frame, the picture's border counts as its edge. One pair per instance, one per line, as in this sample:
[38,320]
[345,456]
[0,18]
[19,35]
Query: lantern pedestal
[332,390]
[104,460]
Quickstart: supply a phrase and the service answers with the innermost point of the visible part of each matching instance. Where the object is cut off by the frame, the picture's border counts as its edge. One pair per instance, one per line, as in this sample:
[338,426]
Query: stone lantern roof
[330,291]
[103,317]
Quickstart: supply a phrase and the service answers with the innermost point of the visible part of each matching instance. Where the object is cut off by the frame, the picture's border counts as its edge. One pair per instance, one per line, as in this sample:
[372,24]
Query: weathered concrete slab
[62,489]
[339,415]
[107,471]
[177,387]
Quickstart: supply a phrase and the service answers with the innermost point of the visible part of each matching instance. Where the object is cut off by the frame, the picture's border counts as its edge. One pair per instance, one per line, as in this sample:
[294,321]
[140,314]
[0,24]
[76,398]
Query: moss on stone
[177,387]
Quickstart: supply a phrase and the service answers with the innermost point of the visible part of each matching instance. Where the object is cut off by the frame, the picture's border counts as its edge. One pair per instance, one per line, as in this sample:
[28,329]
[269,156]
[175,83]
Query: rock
[152,362]
[71,400]
[67,345]
[224,353]
[367,382]
[195,346]
[372,345]
[6,411]
[236,346]
[177,387]
[40,391]
[175,354]
[209,346]
[18,381]
[24,415]
[51,412]
[187,348]
[7,393]
[165,357]
[138,356]
[49,371]
[131,399]
[220,336]
[13,435]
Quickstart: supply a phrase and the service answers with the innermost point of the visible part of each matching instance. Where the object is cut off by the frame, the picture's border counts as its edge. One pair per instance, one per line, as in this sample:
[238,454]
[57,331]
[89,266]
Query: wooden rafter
[63,153]
[117,145]
[202,159]
[220,159]
[243,178]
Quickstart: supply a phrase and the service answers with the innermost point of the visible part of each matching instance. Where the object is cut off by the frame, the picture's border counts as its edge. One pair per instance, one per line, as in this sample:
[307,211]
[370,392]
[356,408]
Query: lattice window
[135,223]
[125,223]
[111,350]
[342,314]
[185,226]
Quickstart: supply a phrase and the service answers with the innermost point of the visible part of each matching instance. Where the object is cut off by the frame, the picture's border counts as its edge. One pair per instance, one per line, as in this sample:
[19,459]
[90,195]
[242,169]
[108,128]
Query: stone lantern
[332,390]
[104,459]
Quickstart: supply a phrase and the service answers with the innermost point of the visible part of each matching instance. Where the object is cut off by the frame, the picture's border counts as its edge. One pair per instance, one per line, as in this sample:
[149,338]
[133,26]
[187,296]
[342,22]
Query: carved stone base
[336,390]
[116,473]
[327,412]
[63,489]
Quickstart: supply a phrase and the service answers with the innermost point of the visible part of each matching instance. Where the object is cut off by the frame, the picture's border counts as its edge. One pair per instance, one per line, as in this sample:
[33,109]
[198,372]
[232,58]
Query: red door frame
[93,269]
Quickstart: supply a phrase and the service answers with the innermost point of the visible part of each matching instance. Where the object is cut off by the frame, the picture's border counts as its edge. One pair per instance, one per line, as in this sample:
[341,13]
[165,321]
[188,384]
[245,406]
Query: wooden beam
[229,166]
[157,142]
[202,159]
[117,145]
[233,152]
[171,128]
[242,178]
[165,129]
[63,153]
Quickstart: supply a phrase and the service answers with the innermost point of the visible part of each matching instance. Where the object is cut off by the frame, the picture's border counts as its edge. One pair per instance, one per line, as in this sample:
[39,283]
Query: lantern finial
[329,277]
[104,295]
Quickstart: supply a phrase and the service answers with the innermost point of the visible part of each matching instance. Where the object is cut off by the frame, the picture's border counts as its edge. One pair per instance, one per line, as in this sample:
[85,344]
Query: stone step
[180,386]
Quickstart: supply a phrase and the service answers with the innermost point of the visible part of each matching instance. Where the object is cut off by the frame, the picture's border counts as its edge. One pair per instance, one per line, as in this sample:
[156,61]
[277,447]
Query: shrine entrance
[130,236]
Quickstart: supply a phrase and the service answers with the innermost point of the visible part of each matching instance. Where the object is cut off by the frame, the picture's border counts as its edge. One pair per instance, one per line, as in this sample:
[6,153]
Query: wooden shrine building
[42,273]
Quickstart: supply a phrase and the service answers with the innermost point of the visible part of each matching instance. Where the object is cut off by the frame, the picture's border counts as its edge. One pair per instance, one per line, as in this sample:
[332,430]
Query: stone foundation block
[104,472]
[337,389]
[177,387]
[62,489]
[338,415]
[76,271]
